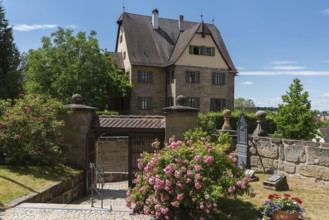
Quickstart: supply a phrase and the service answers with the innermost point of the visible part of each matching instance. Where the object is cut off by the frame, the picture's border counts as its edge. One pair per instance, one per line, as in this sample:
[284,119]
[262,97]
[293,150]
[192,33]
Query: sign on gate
[242,143]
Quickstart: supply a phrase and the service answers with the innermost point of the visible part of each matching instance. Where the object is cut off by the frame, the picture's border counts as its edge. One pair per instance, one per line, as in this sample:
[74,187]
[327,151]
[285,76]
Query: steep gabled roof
[163,46]
[118,59]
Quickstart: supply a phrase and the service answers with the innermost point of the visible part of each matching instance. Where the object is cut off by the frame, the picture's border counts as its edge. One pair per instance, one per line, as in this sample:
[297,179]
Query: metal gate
[90,158]
[139,143]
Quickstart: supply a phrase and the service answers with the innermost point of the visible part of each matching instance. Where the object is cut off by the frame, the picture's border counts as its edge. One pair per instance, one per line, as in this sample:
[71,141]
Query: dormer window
[202,50]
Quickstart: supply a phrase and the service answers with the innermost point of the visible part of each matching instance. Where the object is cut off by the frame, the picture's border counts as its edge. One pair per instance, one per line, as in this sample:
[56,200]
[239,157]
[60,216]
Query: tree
[68,64]
[295,119]
[10,77]
[244,105]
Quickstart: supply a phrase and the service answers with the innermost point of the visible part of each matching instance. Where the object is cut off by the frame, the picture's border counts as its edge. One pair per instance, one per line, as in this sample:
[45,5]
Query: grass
[314,196]
[17,181]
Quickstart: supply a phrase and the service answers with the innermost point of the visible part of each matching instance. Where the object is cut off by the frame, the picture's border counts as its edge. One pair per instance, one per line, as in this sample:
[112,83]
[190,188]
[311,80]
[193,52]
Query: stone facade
[112,157]
[156,90]
[162,88]
[77,125]
[295,158]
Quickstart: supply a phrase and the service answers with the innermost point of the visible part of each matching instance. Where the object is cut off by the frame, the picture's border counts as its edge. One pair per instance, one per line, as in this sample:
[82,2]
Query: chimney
[155,19]
[181,23]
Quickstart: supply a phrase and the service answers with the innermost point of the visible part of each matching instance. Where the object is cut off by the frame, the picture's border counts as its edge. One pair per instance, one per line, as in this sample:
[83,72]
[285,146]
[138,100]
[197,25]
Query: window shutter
[223,78]
[197,76]
[223,104]
[212,105]
[139,102]
[191,49]
[149,103]
[202,50]
[213,78]
[187,76]
[197,102]
[213,51]
[139,76]
[150,77]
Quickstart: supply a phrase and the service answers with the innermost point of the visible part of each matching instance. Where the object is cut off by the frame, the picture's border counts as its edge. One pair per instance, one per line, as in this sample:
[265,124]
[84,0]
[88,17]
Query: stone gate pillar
[76,132]
[180,118]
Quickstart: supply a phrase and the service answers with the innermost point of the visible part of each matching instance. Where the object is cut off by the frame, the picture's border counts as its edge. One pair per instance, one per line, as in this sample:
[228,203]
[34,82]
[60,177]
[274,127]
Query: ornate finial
[123,6]
[213,21]
[261,118]
[227,115]
[181,100]
[201,17]
[77,99]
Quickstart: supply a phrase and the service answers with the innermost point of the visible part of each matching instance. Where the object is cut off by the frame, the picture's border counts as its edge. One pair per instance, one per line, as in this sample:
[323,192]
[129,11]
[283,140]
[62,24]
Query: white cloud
[326,11]
[283,62]
[322,103]
[325,61]
[247,83]
[275,101]
[287,73]
[288,67]
[71,26]
[25,27]
[240,68]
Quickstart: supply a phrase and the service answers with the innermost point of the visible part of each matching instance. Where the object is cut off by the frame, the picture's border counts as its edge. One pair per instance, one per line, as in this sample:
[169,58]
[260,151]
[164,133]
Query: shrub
[30,131]
[186,181]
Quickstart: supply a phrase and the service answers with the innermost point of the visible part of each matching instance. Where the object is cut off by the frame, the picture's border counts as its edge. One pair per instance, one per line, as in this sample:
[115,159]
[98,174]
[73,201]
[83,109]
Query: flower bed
[186,180]
[277,203]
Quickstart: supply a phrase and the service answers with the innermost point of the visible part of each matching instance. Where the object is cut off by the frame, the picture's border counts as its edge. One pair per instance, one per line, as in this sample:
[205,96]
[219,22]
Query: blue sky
[270,42]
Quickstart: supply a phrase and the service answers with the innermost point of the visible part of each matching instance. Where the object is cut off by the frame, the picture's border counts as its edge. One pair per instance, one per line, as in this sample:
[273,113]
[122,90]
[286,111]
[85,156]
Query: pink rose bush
[31,130]
[187,180]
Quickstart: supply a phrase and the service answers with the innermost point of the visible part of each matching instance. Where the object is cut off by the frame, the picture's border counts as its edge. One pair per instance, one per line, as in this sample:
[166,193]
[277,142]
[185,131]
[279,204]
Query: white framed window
[145,77]
[218,78]
[192,76]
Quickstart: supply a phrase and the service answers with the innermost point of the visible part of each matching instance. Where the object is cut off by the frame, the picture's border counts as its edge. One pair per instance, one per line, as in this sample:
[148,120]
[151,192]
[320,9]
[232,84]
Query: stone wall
[112,157]
[61,192]
[302,159]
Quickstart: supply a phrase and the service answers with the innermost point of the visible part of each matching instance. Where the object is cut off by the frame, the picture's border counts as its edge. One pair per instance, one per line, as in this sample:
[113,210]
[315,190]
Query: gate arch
[141,132]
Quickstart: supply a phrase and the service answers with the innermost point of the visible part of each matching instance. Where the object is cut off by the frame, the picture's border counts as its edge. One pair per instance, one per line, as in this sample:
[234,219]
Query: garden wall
[301,159]
[61,192]
[112,157]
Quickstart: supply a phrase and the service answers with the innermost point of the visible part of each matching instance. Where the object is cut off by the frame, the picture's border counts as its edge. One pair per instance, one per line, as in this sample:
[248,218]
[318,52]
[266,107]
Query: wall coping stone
[54,188]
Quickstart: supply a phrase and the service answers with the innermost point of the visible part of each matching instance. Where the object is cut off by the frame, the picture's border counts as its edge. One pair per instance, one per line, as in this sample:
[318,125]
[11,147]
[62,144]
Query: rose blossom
[197,158]
[197,185]
[208,159]
[197,168]
[180,197]
[164,210]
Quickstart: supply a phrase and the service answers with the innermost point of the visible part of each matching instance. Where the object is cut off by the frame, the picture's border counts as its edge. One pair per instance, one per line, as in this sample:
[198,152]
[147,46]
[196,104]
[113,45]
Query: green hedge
[107,113]
[214,120]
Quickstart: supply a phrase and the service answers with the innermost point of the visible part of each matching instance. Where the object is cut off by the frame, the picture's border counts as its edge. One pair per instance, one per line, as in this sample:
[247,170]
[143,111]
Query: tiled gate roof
[131,122]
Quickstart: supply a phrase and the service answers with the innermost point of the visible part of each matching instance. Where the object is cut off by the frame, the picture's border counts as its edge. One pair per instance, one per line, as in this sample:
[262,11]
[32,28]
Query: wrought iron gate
[139,143]
[90,158]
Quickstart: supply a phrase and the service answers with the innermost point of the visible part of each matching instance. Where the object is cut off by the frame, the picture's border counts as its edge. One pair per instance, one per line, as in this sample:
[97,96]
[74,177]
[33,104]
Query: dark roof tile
[163,46]
[132,122]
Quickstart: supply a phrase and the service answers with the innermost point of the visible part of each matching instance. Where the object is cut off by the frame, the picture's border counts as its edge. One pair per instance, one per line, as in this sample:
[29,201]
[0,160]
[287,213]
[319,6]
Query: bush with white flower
[186,180]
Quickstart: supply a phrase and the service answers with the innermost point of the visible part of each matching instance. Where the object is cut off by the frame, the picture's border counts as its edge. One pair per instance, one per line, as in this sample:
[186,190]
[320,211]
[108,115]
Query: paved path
[113,208]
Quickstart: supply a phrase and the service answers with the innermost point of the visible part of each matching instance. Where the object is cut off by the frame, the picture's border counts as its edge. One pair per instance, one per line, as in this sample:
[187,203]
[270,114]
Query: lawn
[314,196]
[18,181]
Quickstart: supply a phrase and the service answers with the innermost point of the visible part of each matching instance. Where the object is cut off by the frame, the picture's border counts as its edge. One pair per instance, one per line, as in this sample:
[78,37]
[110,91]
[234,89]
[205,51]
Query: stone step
[72,207]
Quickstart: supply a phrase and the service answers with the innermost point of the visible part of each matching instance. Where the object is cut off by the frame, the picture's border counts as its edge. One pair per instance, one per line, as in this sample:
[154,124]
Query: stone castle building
[165,58]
